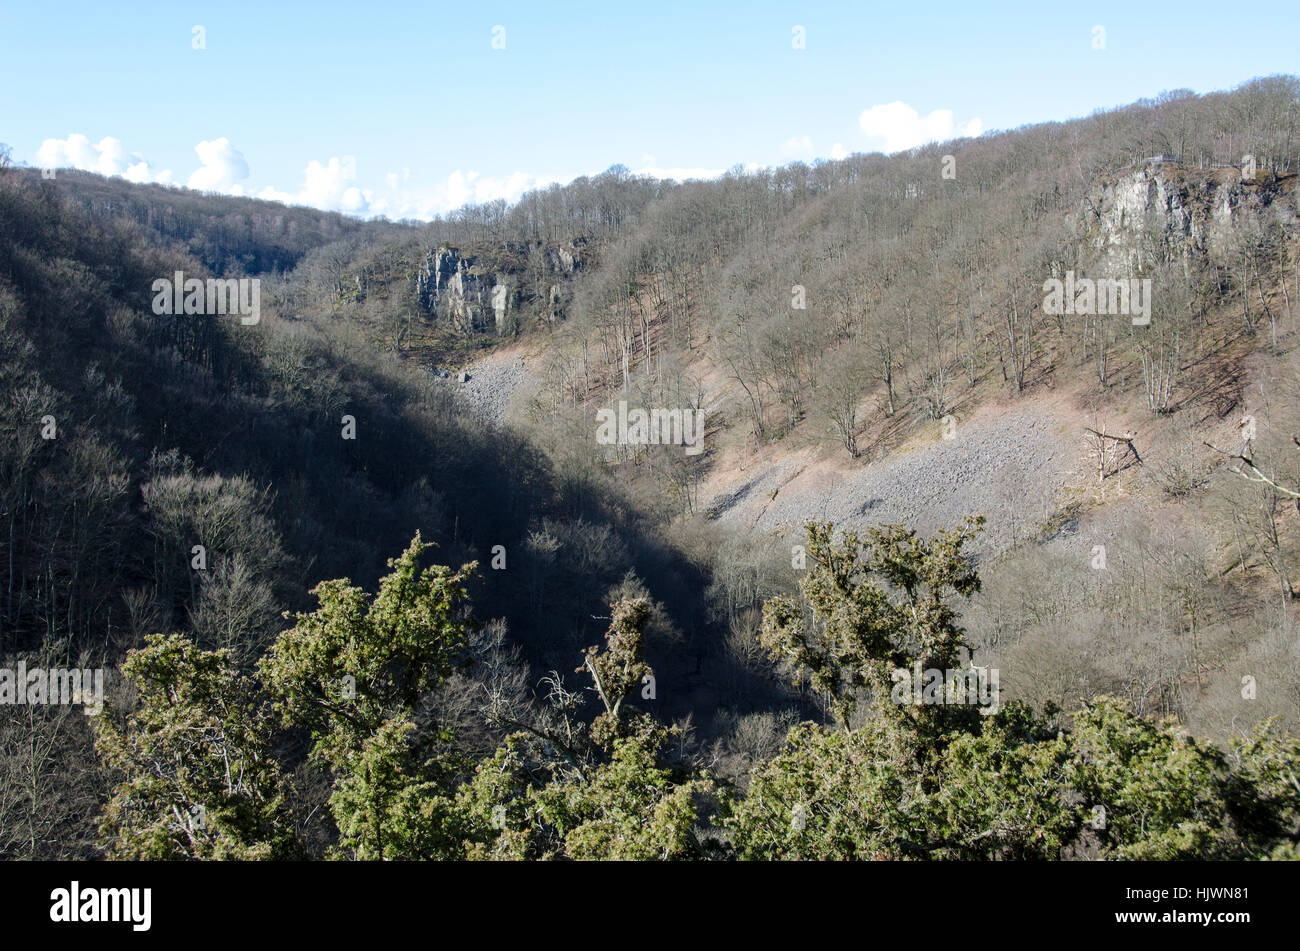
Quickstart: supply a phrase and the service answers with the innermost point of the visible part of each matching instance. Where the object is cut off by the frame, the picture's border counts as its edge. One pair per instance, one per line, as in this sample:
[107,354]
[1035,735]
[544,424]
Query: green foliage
[878,602]
[497,807]
[347,667]
[619,669]
[614,793]
[198,776]
[1263,792]
[1168,796]
[632,807]
[912,782]
[390,802]
[1118,786]
[1002,793]
[353,672]
[830,794]
[631,802]
[863,794]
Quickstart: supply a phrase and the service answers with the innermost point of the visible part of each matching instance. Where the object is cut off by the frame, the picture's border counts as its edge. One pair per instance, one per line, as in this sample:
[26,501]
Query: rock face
[476,295]
[563,260]
[452,288]
[1172,209]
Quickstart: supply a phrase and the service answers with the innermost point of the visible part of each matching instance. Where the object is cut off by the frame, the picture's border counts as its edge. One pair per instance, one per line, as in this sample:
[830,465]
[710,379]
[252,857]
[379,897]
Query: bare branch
[1258,476]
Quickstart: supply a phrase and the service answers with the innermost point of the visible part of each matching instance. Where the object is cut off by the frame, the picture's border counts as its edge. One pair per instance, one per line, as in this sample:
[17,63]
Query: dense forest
[344,614]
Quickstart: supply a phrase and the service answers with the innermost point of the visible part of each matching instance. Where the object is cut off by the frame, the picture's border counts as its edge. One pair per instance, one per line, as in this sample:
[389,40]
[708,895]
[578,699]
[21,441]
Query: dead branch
[1126,439]
[1106,452]
[1257,476]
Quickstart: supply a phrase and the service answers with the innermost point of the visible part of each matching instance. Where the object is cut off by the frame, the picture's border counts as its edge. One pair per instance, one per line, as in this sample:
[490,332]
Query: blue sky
[408,110]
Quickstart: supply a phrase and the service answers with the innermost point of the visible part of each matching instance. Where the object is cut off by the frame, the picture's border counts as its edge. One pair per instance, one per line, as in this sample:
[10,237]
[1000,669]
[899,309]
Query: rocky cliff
[488,292]
[1166,208]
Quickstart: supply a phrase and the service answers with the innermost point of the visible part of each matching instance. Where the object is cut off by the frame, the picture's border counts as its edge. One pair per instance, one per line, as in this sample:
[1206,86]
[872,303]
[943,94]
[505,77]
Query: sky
[411,110]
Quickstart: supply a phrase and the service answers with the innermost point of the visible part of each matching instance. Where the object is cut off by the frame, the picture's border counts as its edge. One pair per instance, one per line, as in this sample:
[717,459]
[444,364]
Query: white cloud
[140,173]
[469,187]
[461,187]
[902,127]
[106,157]
[839,152]
[799,146]
[327,186]
[221,167]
